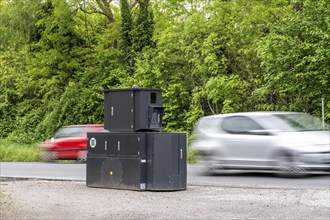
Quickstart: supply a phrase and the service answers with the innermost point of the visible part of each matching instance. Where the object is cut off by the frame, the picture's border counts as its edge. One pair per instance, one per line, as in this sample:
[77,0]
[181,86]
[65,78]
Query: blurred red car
[69,142]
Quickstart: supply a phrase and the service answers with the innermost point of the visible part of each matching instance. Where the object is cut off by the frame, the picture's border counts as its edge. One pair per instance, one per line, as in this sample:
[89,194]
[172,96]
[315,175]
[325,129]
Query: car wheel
[286,166]
[211,164]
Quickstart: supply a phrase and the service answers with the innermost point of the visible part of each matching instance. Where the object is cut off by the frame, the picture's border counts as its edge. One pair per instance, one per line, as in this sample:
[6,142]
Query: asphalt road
[77,171]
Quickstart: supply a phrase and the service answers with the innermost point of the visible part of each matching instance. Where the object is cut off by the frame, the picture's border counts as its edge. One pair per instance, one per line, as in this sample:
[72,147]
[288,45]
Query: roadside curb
[191,184]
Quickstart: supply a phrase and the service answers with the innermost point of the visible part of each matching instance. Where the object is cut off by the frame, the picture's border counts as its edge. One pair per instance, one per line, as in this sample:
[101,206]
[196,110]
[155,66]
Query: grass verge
[15,152]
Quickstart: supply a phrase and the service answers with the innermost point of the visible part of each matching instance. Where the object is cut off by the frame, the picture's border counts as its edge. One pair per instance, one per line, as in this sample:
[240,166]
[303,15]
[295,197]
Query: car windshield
[207,123]
[69,132]
[294,122]
[302,122]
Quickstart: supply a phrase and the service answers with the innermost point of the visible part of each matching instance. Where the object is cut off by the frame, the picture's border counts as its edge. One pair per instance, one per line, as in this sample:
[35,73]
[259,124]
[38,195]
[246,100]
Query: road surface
[77,171]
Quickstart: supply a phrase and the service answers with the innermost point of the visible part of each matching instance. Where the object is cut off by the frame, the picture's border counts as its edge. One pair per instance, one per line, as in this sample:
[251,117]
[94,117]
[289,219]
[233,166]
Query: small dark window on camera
[153,98]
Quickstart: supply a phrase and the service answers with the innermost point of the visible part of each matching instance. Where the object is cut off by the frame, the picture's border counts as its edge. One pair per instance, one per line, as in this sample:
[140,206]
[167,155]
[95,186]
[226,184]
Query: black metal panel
[93,171]
[128,144]
[107,111]
[156,159]
[133,145]
[116,173]
[135,109]
[166,161]
[182,182]
[121,104]
[97,144]
[117,144]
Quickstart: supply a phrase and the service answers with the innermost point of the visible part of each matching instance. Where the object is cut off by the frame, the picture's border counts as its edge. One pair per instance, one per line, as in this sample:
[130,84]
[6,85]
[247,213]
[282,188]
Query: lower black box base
[154,161]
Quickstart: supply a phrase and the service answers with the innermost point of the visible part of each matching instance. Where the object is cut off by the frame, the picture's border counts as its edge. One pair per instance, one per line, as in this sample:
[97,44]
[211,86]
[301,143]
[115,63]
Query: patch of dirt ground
[37,199]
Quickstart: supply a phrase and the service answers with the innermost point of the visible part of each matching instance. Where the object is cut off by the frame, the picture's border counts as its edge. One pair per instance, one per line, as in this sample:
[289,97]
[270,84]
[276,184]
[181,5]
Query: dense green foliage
[208,56]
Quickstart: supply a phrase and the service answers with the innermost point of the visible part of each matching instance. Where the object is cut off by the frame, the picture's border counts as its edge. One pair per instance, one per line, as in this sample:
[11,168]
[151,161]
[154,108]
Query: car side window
[70,132]
[239,125]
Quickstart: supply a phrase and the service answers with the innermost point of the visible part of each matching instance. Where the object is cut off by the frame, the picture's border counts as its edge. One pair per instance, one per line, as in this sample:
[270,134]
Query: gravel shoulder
[43,199]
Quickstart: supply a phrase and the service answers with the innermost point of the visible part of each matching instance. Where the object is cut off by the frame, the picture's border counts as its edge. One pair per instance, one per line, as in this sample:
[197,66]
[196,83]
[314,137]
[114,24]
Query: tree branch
[133,4]
[106,9]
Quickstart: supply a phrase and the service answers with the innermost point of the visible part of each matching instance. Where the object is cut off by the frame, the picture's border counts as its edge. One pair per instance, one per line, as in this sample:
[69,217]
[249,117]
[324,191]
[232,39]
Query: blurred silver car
[290,143]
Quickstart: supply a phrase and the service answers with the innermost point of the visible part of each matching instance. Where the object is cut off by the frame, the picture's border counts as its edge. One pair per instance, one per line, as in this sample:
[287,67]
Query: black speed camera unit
[133,153]
[133,109]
